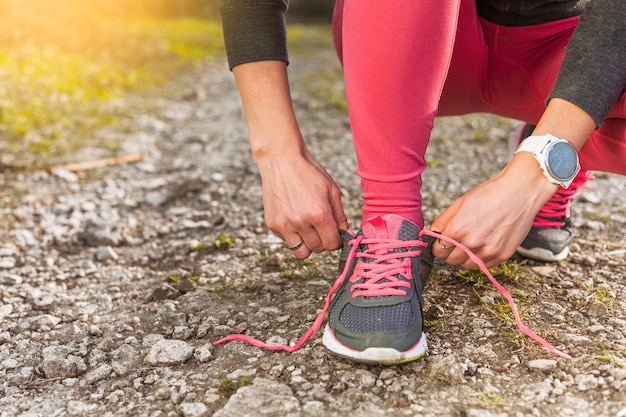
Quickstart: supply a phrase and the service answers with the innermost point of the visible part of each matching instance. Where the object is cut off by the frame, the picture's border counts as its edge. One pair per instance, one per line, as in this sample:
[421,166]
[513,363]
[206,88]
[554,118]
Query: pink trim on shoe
[557,209]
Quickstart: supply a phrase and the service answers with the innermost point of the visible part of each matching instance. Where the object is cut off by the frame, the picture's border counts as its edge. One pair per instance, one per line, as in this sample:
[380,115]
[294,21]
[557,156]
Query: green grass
[60,68]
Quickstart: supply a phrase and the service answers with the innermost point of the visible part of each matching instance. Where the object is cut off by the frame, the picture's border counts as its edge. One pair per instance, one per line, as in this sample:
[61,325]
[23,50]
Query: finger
[312,239]
[469,264]
[326,230]
[302,252]
[457,257]
[441,248]
[295,246]
[299,248]
[338,213]
[331,238]
[329,234]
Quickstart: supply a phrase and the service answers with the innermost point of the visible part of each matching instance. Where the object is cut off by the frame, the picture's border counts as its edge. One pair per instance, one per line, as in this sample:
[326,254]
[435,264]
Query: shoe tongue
[390,226]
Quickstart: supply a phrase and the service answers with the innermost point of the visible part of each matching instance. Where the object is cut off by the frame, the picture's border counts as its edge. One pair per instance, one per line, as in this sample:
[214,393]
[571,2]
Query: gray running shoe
[551,234]
[376,314]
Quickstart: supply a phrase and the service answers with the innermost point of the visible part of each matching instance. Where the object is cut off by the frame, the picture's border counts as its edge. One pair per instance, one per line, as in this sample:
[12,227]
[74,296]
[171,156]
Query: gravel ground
[115,282]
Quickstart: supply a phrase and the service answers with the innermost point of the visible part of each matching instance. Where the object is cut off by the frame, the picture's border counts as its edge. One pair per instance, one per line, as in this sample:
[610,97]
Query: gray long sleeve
[254,30]
[593,74]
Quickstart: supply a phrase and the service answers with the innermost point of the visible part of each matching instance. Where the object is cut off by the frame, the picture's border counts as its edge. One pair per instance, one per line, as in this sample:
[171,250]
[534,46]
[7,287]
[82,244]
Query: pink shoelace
[554,212]
[379,275]
[380,280]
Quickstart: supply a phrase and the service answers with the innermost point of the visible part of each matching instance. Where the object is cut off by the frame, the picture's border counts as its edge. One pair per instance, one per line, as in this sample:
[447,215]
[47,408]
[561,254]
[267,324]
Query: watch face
[562,160]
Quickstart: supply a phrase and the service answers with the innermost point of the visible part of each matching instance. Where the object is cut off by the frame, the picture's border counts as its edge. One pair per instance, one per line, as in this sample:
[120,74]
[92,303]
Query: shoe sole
[374,355]
[541,254]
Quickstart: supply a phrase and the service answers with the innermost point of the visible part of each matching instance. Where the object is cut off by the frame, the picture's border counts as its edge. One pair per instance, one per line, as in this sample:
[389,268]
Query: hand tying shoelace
[381,282]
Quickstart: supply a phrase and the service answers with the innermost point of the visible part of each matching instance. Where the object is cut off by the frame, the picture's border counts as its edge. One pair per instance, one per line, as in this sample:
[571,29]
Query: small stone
[95,331]
[43,322]
[10,279]
[543,270]
[590,197]
[24,376]
[9,363]
[156,199]
[185,285]
[449,369]
[194,409]
[274,398]
[7,251]
[182,332]
[217,177]
[314,408]
[596,328]
[25,237]
[277,340]
[318,283]
[98,374]
[204,353]
[586,382]
[596,308]
[386,374]
[434,312]
[169,352]
[164,292]
[105,253]
[64,174]
[275,263]
[124,359]
[5,310]
[56,362]
[7,262]
[543,365]
[78,408]
[577,339]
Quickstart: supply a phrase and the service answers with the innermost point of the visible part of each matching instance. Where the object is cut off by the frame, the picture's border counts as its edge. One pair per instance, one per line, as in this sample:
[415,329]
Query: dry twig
[89,165]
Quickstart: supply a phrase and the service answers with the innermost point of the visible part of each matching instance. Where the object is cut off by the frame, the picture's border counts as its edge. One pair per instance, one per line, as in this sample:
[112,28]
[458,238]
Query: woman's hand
[302,203]
[495,217]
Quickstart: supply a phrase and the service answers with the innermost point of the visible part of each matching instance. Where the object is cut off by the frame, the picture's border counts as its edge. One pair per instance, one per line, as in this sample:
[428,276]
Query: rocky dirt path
[115,282]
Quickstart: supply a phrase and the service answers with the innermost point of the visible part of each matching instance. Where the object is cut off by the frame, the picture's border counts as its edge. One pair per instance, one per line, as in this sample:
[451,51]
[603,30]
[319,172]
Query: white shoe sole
[541,254]
[374,355]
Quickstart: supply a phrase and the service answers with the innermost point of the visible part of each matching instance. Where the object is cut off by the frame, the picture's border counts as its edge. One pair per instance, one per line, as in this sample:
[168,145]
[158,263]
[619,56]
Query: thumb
[342,220]
[339,214]
[439,225]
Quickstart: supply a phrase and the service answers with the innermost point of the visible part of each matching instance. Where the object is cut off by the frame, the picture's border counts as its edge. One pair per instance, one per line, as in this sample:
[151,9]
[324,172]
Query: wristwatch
[557,158]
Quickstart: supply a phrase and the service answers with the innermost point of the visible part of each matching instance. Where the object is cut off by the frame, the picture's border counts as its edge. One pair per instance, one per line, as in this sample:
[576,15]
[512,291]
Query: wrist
[566,120]
[277,147]
[535,184]
[557,158]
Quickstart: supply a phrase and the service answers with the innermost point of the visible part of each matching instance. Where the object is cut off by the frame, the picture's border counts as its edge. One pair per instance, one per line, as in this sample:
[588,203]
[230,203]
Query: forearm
[567,121]
[266,97]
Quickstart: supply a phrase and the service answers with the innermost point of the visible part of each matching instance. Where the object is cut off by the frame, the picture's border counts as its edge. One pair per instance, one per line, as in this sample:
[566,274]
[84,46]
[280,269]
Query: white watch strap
[535,144]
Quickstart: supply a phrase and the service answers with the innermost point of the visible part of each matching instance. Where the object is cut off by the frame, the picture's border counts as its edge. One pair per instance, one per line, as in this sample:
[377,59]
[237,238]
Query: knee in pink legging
[407,63]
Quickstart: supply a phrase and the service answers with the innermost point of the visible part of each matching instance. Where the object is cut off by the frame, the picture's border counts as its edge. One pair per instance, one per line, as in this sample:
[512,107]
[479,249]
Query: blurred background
[67,66]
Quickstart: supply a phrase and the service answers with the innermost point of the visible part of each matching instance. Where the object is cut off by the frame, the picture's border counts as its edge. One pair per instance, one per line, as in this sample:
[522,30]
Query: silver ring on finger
[443,245]
[296,246]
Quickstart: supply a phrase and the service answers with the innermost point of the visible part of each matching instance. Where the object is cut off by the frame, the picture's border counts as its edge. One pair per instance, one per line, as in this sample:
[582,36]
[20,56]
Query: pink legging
[409,61]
